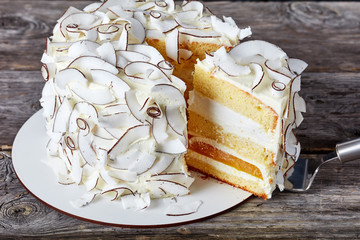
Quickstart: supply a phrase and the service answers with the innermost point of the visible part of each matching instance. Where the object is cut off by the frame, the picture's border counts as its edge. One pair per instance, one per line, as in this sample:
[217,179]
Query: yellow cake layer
[199,126]
[234,98]
[184,70]
[202,164]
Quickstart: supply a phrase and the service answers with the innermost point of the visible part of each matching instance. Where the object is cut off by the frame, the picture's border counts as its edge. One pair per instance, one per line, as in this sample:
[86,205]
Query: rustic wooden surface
[324,34]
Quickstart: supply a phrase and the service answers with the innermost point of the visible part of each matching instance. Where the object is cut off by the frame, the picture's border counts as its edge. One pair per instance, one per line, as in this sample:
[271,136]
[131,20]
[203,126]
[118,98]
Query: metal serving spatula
[305,170]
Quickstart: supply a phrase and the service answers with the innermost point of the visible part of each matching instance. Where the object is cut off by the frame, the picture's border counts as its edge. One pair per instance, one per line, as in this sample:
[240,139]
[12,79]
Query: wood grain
[325,34]
[329,210]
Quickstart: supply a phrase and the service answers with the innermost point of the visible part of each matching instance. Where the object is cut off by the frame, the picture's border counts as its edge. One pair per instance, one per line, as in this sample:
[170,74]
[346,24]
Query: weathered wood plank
[19,99]
[324,34]
[329,210]
[333,108]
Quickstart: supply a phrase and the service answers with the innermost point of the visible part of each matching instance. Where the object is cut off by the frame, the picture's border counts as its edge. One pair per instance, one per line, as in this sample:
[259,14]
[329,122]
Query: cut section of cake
[242,113]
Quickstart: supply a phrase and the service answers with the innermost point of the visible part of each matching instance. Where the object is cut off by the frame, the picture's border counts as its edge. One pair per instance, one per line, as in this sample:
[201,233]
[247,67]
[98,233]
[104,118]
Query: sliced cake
[242,113]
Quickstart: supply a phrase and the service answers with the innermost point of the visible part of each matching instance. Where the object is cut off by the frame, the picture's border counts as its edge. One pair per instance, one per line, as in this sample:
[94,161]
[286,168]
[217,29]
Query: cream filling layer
[233,122]
[264,184]
[266,172]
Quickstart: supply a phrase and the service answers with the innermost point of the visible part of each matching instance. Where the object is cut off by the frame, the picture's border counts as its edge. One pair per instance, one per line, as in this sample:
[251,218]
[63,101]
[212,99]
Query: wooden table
[324,34]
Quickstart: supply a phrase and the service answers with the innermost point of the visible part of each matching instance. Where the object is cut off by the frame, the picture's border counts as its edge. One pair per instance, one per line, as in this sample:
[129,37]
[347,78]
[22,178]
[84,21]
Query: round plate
[29,156]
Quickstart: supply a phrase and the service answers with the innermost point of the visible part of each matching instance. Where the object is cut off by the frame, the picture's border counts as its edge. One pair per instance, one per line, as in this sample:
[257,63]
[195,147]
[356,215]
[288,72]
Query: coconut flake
[89,62]
[277,89]
[122,175]
[165,25]
[81,20]
[76,169]
[259,74]
[169,93]
[124,161]
[170,187]
[185,54]
[132,134]
[107,31]
[136,202]
[194,6]
[228,65]
[107,52]
[61,117]
[130,56]
[134,106]
[83,48]
[186,19]
[166,67]
[277,75]
[174,146]
[226,27]
[296,66]
[296,84]
[119,12]
[86,148]
[87,110]
[124,38]
[119,120]
[84,200]
[183,209]
[257,47]
[158,129]
[149,51]
[162,164]
[137,29]
[143,163]
[180,178]
[299,103]
[175,119]
[244,33]
[172,45]
[110,80]
[200,33]
[100,95]
[65,76]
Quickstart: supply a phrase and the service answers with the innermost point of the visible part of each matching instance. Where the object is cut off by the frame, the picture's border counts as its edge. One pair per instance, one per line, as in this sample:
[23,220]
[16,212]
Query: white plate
[29,156]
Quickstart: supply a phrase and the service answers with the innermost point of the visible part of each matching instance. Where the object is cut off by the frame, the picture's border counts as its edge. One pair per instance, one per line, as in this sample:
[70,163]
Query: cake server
[305,170]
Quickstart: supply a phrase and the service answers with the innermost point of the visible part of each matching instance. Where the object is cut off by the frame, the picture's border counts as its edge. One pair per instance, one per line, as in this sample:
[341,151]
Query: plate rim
[111,224]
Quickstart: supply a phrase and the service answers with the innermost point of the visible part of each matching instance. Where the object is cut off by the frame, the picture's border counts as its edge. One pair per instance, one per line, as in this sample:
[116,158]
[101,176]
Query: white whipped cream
[233,122]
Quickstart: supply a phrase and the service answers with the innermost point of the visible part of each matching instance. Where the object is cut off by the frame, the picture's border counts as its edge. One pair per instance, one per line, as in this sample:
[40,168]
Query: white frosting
[233,122]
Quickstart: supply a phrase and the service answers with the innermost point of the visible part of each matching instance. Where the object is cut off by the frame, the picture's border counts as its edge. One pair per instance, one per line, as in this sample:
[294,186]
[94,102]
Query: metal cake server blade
[305,170]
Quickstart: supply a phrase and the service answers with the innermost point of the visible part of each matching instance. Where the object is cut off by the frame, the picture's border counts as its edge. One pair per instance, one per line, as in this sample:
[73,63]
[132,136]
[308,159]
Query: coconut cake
[114,74]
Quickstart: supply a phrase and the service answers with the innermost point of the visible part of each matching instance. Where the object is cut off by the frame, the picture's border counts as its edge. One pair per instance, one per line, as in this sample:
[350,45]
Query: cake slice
[242,113]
